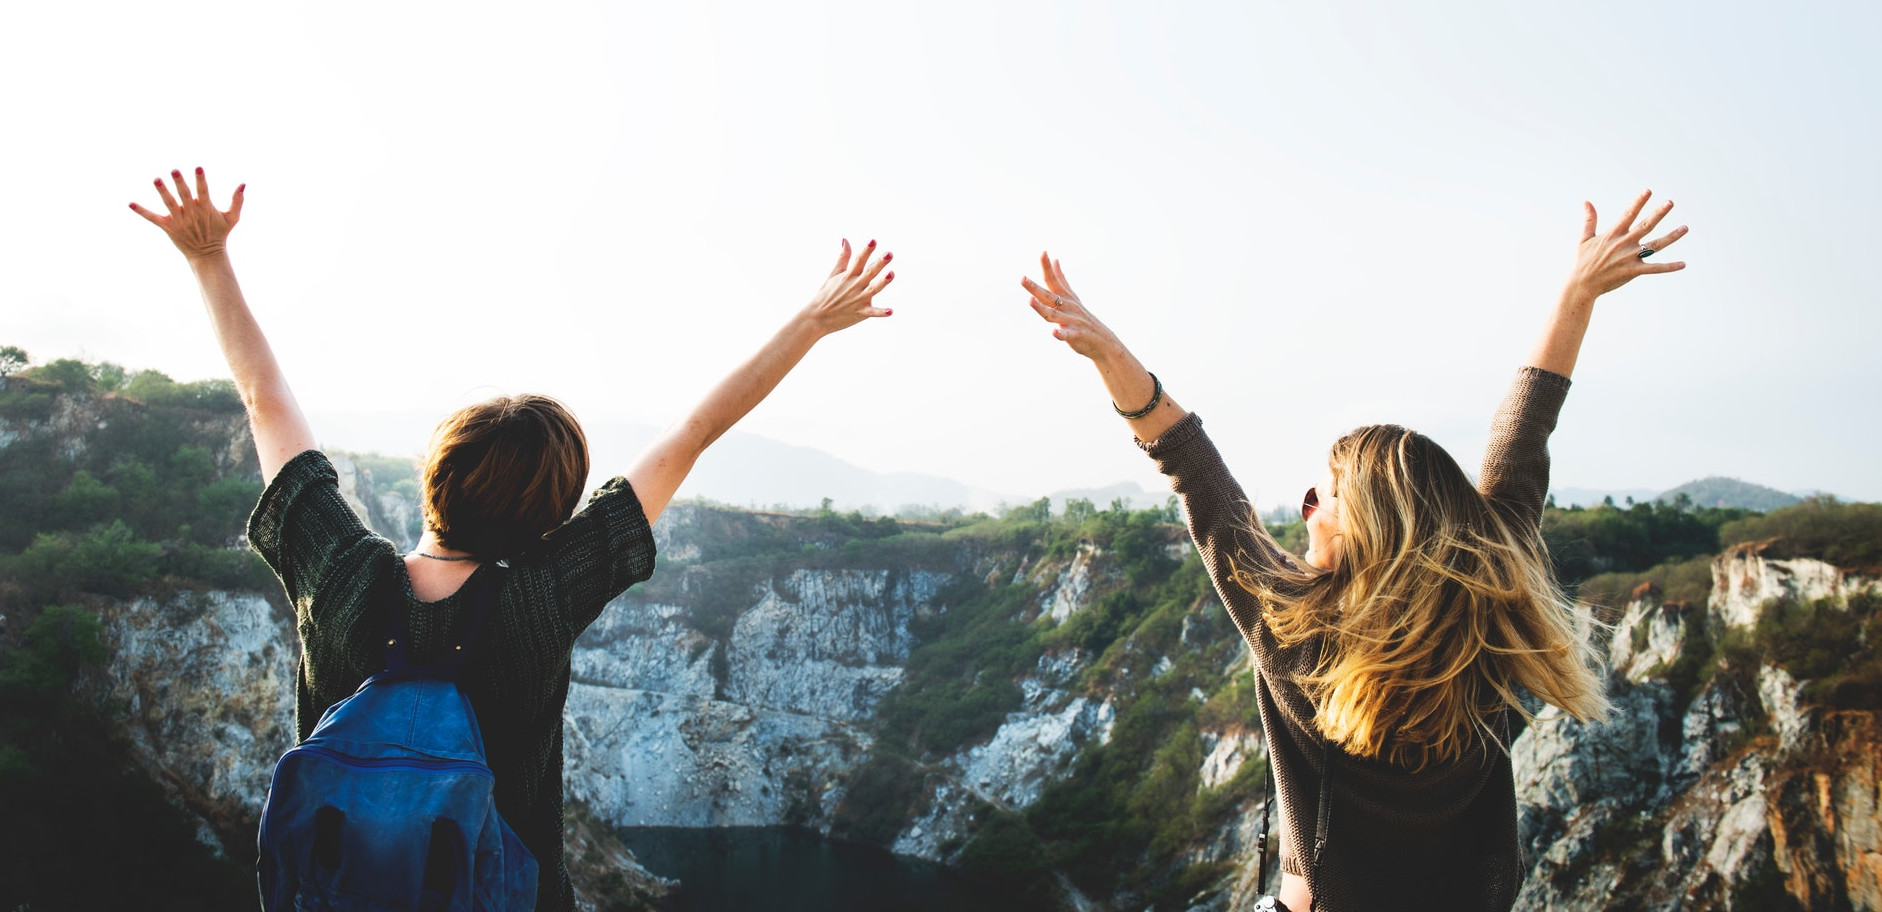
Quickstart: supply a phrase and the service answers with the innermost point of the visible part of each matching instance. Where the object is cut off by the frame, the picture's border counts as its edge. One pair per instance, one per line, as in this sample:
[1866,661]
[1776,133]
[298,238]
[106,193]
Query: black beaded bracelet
[1155,397]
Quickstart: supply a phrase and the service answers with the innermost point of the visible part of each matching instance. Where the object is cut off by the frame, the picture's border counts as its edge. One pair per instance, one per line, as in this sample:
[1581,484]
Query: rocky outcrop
[1735,793]
[1743,580]
[203,684]
[1033,748]
[384,512]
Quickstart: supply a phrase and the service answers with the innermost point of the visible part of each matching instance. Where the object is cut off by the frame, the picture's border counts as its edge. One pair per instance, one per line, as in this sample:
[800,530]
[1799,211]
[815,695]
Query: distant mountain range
[1705,492]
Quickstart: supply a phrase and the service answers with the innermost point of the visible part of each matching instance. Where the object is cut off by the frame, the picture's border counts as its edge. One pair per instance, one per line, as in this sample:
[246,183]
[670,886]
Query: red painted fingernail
[240,187]
[888,312]
[872,242]
[158,182]
[891,275]
[175,173]
[887,257]
[199,169]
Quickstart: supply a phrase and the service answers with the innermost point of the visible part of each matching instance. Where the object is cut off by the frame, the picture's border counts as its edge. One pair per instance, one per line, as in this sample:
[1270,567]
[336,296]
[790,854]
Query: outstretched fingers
[1043,296]
[1588,225]
[842,259]
[1065,287]
[869,275]
[875,288]
[1653,221]
[182,189]
[148,215]
[1666,240]
[856,266]
[235,204]
[169,200]
[1625,225]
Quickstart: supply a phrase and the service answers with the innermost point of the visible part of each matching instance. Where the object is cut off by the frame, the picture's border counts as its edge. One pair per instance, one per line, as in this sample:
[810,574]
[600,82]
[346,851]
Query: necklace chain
[441,557]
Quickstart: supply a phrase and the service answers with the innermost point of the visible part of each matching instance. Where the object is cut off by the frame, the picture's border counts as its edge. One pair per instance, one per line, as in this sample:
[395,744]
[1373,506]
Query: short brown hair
[500,474]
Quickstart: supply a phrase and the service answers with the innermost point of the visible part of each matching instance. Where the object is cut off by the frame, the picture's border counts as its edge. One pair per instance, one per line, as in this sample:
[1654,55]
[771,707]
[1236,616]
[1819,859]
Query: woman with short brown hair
[500,482]
[1393,657]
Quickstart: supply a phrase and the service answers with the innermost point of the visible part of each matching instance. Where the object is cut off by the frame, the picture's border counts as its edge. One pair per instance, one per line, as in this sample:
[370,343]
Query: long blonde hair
[1441,610]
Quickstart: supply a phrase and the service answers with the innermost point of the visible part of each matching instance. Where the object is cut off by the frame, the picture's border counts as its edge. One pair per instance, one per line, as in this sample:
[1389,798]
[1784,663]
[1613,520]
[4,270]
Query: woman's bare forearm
[280,430]
[1132,388]
[201,232]
[1560,344]
[845,299]
[667,462]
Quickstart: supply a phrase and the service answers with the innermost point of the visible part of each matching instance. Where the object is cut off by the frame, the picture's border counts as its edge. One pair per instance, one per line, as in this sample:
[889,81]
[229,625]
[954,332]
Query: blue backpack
[389,804]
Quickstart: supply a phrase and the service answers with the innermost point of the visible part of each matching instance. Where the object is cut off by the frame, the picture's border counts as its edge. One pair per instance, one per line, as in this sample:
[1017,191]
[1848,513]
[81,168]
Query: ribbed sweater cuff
[1173,439]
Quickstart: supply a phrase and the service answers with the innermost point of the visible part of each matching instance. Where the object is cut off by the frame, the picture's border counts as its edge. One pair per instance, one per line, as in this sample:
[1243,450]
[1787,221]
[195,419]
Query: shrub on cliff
[1848,535]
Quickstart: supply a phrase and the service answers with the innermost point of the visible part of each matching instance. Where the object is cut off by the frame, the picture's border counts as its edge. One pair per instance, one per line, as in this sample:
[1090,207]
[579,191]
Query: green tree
[1079,510]
[108,376]
[42,667]
[1038,511]
[13,359]
[84,501]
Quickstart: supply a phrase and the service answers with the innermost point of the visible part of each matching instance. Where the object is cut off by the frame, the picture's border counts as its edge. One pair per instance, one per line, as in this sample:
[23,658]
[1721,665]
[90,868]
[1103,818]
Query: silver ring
[1645,252]
[1058,301]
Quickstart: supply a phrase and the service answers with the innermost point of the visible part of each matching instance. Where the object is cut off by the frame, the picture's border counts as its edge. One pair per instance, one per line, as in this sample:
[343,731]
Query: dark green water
[781,869]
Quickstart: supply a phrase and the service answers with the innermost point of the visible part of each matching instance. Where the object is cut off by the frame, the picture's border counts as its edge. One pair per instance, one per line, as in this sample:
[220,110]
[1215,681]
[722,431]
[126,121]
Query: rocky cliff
[733,693]
[1722,781]
[1057,705]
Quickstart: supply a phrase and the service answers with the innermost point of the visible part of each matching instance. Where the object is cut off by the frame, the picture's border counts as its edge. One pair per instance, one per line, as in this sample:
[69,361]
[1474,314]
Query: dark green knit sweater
[342,579]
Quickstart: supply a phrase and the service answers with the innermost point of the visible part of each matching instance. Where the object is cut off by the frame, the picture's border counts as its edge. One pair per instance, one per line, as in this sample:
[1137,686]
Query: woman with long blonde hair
[1393,658]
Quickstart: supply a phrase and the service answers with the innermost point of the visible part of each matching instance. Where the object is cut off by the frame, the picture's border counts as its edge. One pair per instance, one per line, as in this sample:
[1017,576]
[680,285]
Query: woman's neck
[435,570]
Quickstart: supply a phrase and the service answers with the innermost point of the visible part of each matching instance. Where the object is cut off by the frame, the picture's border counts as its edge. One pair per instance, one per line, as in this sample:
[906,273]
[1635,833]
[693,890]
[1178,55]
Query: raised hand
[1603,262]
[194,224]
[1606,261]
[1072,323]
[1136,394]
[846,296]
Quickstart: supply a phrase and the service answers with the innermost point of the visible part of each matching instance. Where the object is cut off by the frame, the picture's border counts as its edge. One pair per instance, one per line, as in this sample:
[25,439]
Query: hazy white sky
[1303,216]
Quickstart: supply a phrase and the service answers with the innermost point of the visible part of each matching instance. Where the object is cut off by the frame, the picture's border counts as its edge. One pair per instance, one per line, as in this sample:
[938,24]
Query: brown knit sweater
[342,579]
[1443,837]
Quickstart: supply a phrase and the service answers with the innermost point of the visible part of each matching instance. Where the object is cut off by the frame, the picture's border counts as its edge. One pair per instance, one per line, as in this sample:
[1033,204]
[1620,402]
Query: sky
[1302,217]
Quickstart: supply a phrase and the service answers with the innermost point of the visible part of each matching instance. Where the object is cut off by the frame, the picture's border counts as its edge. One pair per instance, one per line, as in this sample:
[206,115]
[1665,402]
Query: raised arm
[1603,262]
[1516,461]
[201,232]
[1136,396]
[844,300]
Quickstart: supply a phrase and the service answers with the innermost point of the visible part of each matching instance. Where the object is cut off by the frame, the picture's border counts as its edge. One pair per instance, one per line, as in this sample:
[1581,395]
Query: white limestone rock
[1743,581]
[646,646]
[203,685]
[827,643]
[639,758]
[1071,590]
[1226,754]
[1648,637]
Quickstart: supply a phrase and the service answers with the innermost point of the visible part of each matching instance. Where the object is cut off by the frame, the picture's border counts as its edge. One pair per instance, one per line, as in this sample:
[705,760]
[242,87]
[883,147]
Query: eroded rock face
[751,702]
[204,685]
[1743,581]
[642,758]
[829,643]
[1738,795]
[1648,637]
